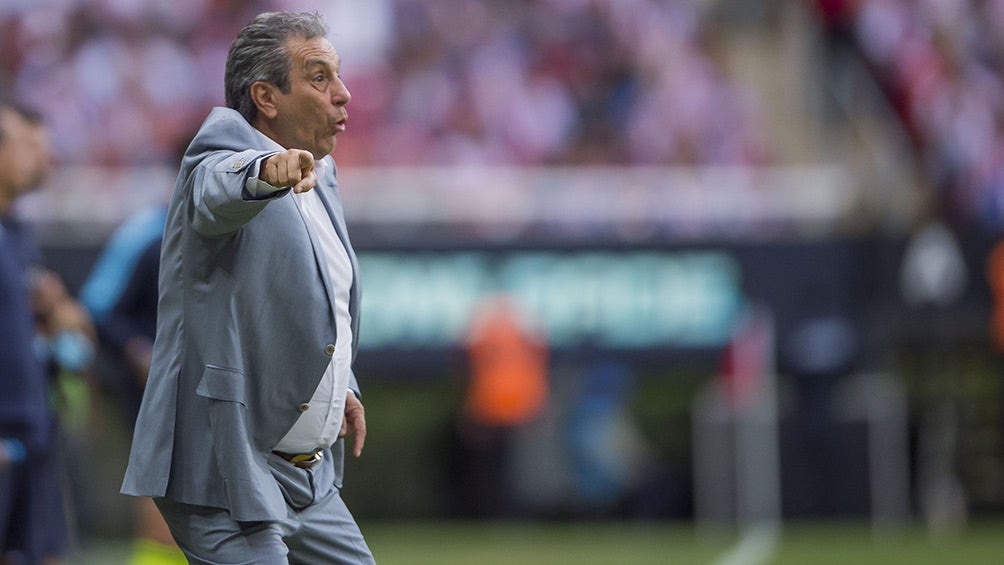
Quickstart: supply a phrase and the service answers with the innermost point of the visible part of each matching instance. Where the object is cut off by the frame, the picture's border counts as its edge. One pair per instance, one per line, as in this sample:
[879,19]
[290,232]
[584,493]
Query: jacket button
[304,407]
[329,349]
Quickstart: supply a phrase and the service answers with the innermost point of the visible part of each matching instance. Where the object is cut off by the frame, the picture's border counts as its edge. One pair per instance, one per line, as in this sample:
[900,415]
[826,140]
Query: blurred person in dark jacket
[42,330]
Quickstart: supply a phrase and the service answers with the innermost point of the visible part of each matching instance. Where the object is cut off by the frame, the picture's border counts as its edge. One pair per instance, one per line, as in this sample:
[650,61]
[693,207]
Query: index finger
[308,182]
[357,445]
[306,161]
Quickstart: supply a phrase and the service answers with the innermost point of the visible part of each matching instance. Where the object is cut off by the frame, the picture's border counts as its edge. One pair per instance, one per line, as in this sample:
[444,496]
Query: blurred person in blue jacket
[121,296]
[42,330]
[612,465]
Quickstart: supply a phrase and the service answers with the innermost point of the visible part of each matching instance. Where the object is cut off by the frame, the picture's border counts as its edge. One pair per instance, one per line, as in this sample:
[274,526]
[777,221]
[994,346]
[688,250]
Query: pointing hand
[291,168]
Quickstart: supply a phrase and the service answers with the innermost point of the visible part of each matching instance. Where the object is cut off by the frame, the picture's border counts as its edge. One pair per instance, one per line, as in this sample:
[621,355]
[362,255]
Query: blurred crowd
[527,82]
[524,82]
[941,63]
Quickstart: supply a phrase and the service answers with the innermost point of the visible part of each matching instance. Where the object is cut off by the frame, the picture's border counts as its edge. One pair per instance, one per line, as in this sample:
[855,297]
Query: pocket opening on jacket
[222,383]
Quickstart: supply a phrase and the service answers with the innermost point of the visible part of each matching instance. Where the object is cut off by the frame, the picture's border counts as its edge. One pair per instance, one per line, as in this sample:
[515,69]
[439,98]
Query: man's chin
[325,149]
[320,153]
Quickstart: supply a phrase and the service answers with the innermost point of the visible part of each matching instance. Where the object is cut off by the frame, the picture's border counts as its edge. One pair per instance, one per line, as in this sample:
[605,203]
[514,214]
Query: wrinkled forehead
[314,51]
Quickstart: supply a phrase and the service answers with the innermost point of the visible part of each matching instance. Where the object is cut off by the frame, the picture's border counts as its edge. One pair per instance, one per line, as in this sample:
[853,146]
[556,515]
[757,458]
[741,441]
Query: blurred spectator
[535,82]
[121,295]
[42,329]
[940,63]
[506,391]
[611,461]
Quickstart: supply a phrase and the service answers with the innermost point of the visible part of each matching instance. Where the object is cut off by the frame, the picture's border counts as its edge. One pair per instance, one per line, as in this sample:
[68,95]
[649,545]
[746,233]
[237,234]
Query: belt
[301,460]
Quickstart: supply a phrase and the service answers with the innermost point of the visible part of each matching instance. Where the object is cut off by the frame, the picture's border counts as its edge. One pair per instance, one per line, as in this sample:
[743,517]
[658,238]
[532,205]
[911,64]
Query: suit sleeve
[219,200]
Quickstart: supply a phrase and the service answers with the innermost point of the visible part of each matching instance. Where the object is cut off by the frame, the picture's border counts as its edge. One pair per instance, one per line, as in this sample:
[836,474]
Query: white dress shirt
[321,418]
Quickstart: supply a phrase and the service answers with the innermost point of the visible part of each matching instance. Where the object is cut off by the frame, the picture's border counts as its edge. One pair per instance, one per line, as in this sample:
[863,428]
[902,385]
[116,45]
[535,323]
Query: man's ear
[263,94]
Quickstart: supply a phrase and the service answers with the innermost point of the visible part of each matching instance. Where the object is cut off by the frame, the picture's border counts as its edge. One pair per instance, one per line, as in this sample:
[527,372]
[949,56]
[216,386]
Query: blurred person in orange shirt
[507,389]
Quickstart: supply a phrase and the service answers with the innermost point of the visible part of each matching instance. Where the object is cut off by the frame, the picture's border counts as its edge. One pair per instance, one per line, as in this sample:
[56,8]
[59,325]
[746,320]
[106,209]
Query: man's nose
[340,95]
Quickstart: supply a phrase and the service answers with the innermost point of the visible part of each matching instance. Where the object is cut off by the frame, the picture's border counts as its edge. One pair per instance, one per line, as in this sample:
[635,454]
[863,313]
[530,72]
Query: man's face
[313,112]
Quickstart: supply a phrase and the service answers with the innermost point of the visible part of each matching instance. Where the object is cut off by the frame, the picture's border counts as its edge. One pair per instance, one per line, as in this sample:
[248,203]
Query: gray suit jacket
[244,331]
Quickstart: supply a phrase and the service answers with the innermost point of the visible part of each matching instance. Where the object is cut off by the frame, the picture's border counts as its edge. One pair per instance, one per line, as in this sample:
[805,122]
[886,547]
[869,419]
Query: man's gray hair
[259,53]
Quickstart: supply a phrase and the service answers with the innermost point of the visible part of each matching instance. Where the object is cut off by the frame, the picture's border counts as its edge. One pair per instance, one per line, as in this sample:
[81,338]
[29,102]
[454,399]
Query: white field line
[755,547]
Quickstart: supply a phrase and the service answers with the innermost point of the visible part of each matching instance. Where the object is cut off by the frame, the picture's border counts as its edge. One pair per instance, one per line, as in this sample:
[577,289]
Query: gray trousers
[318,528]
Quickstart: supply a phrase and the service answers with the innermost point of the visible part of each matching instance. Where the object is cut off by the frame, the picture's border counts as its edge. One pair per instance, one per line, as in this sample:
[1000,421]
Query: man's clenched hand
[291,168]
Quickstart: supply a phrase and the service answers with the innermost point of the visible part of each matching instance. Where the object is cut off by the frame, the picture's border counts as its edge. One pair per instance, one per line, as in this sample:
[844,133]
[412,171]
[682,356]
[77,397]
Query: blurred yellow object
[149,552]
[73,401]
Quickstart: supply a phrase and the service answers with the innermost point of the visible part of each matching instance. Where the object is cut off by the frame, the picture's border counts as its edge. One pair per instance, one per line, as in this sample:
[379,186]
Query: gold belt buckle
[308,458]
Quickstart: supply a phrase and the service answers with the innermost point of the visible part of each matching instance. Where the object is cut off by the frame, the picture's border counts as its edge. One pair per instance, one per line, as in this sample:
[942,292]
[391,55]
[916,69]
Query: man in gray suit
[251,388]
